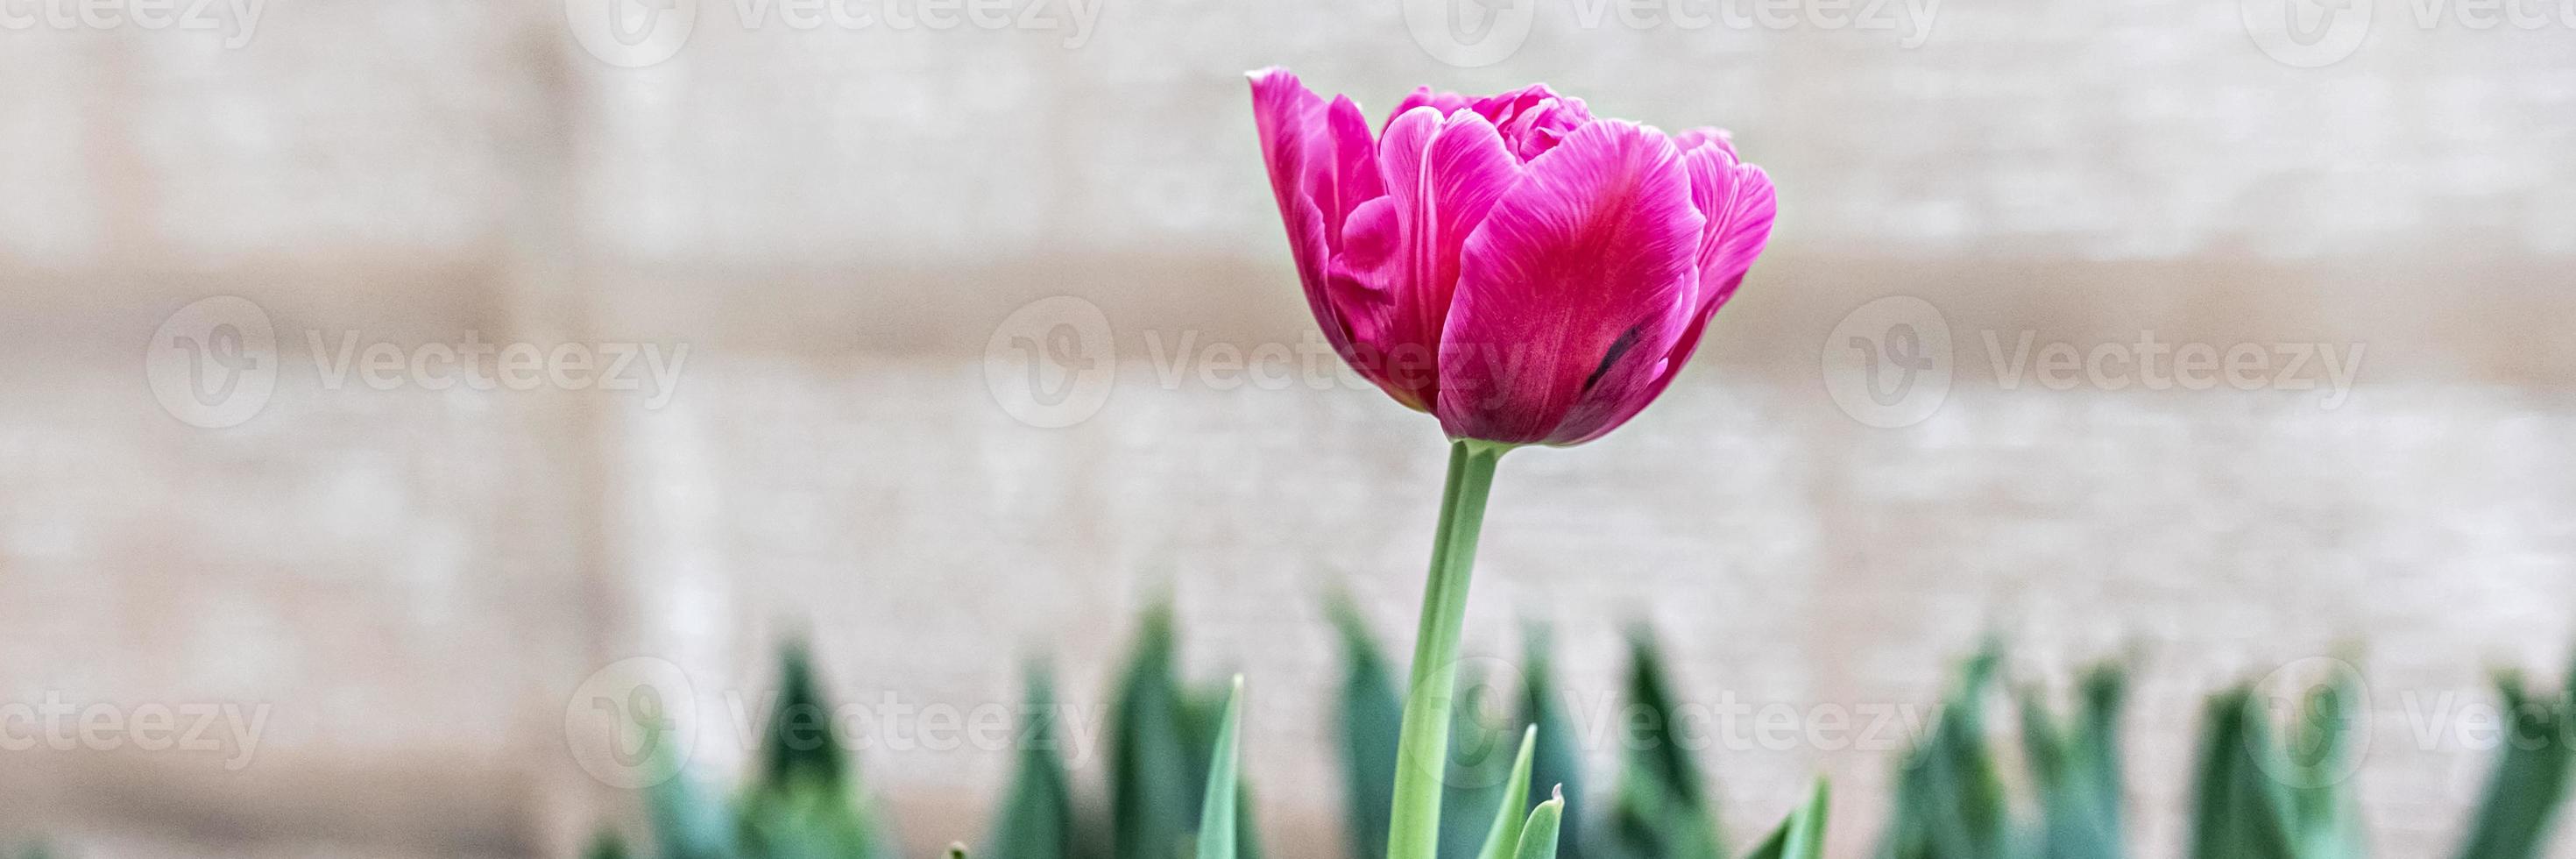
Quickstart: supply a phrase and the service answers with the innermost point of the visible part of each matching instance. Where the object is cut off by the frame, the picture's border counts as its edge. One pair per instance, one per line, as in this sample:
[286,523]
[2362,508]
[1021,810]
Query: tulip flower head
[1522,270]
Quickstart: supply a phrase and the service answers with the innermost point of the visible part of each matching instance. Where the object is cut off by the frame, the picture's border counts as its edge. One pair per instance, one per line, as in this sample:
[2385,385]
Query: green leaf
[2317,762]
[805,802]
[1161,740]
[1478,775]
[1203,717]
[2530,779]
[606,845]
[1217,839]
[1807,838]
[1802,834]
[1557,765]
[1662,809]
[686,820]
[801,744]
[1037,818]
[805,823]
[2238,809]
[1152,787]
[689,822]
[1539,833]
[1950,801]
[1504,837]
[1655,742]
[2075,768]
[1372,718]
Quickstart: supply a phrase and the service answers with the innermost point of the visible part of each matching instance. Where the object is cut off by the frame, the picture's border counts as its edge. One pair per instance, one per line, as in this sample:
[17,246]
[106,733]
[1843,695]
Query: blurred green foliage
[1802,836]
[1037,817]
[1662,809]
[2523,792]
[1219,809]
[1162,737]
[804,800]
[1556,764]
[2273,777]
[2075,767]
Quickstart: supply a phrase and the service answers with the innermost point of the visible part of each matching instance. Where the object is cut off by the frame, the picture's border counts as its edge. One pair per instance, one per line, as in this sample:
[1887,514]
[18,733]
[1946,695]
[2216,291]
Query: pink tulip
[1510,264]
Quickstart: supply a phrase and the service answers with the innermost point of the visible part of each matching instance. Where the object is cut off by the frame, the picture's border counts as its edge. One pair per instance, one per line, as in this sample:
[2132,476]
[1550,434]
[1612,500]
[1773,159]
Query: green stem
[1422,749]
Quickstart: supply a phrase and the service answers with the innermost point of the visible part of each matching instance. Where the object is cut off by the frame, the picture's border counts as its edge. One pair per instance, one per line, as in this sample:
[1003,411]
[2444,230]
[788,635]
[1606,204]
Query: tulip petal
[1739,203]
[1321,170]
[1287,115]
[1697,137]
[1354,157]
[1370,240]
[1447,102]
[1442,175]
[1533,119]
[1578,281]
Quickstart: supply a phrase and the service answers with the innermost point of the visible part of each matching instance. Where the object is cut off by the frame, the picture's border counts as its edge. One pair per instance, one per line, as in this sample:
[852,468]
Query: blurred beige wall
[837,223]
